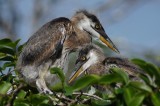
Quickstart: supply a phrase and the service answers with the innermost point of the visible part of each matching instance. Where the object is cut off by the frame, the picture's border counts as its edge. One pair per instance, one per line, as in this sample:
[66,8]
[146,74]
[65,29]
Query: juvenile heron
[92,60]
[51,45]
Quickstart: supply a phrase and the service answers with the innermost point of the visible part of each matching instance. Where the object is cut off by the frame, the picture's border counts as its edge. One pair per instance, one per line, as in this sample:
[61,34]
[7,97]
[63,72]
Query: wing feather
[124,64]
[47,42]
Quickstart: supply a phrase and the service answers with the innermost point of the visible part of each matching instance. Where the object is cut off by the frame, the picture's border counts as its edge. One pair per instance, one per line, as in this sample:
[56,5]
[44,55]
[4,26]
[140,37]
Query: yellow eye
[83,58]
[97,26]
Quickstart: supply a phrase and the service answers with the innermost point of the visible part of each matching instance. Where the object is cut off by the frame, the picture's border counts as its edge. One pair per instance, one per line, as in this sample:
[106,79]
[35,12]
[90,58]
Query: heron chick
[92,60]
[53,42]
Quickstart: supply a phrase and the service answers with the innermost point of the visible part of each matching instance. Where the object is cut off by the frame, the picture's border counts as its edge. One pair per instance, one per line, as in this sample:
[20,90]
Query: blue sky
[141,27]
[138,30]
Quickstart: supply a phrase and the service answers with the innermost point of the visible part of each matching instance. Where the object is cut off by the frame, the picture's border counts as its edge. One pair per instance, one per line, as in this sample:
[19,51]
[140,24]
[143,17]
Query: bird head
[90,24]
[88,56]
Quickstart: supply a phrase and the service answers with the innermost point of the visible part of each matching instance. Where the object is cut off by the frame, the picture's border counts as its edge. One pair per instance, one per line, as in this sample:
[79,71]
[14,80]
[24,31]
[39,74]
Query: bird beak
[106,40]
[78,72]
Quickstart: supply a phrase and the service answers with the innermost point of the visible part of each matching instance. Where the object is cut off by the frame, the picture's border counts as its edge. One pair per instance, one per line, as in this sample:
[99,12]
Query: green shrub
[83,92]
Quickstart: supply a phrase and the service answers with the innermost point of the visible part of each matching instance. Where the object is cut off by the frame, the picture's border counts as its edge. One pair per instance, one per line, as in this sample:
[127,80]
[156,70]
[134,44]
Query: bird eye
[83,58]
[97,26]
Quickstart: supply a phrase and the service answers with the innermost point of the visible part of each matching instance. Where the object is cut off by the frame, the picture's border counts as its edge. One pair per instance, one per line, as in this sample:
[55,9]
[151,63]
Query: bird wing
[46,43]
[123,63]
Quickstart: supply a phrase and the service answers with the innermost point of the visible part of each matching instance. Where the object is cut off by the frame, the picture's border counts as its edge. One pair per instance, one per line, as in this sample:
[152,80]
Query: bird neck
[83,36]
[81,33]
[78,39]
[77,21]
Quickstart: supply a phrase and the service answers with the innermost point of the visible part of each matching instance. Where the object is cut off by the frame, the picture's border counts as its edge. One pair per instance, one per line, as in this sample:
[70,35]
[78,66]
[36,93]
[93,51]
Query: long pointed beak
[79,71]
[106,40]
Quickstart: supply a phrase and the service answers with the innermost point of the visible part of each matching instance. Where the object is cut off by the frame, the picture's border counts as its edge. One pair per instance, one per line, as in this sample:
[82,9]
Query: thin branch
[66,100]
[5,75]
[86,94]
[10,103]
[1,73]
[61,99]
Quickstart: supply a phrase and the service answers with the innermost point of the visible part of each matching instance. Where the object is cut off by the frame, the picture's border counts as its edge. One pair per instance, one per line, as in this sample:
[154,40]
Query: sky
[138,30]
[141,27]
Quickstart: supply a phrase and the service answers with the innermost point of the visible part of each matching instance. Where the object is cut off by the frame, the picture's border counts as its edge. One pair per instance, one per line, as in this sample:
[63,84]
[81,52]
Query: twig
[15,94]
[5,75]
[61,99]
[1,73]
[86,94]
[9,70]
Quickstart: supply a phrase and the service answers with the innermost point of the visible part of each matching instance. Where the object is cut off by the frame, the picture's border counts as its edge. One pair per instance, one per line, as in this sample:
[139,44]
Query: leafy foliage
[88,90]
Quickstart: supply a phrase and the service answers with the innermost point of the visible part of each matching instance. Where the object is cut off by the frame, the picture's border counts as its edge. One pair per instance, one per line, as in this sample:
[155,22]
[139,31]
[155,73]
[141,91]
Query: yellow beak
[109,43]
[76,74]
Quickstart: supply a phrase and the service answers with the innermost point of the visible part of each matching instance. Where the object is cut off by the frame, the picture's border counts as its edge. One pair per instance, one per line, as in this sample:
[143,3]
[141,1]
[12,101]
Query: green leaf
[142,64]
[7,50]
[8,64]
[84,82]
[37,99]
[3,100]
[118,90]
[128,94]
[137,99]
[147,67]
[21,104]
[100,102]
[141,86]
[7,58]
[138,61]
[145,78]
[5,41]
[154,70]
[8,43]
[4,87]
[17,41]
[59,72]
[2,55]
[150,69]
[122,73]
[44,104]
[8,78]
[68,90]
[57,87]
[20,48]
[155,99]
[21,101]
[22,94]
[118,75]
[110,78]
[132,96]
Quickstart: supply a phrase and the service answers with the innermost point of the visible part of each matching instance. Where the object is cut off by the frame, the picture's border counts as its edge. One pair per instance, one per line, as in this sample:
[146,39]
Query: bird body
[51,45]
[42,50]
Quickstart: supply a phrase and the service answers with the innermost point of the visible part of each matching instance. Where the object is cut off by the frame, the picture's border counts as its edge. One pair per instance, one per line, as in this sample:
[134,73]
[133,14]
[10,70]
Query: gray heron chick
[51,45]
[92,60]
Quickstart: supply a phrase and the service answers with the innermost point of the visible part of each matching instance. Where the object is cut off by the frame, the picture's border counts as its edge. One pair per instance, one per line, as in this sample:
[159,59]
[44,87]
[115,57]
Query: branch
[15,94]
[61,100]
[86,94]
[5,75]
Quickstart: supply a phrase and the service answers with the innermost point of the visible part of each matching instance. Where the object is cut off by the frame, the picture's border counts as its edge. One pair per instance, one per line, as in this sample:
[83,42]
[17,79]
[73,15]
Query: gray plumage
[41,51]
[51,45]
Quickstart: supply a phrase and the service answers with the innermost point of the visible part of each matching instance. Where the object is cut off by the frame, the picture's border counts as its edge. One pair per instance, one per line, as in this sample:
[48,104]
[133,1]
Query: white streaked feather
[86,24]
[92,60]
